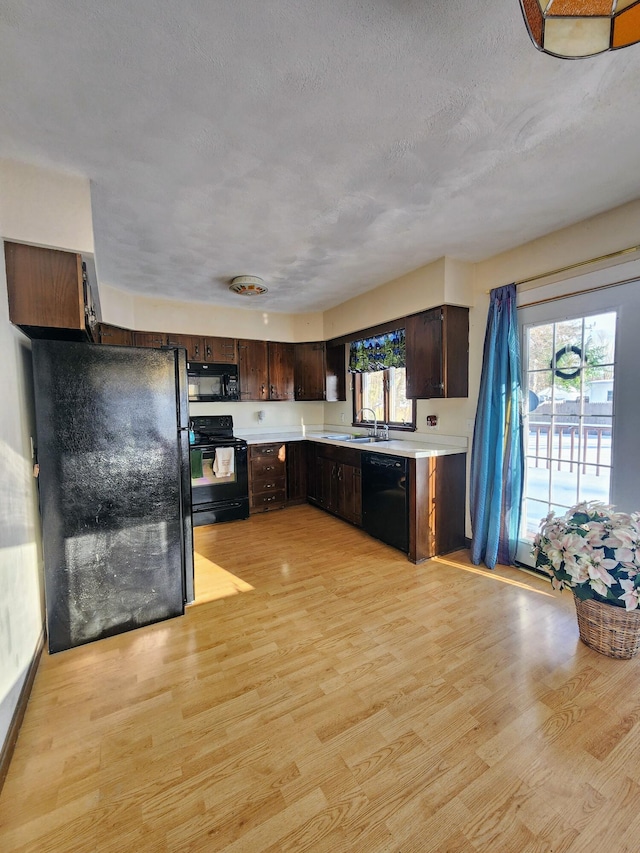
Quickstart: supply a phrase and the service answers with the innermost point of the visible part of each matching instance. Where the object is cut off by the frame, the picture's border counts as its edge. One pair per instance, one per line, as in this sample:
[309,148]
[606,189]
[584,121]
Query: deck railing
[569,436]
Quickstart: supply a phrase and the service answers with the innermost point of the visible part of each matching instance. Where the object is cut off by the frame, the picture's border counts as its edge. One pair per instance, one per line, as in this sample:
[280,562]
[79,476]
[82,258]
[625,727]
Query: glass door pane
[569,371]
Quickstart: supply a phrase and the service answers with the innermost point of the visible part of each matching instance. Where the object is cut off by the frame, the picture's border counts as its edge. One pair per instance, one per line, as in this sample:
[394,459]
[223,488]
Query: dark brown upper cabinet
[310,371]
[438,353]
[253,368]
[114,335]
[216,350]
[336,368]
[280,371]
[220,350]
[47,291]
[193,344]
[266,370]
[149,339]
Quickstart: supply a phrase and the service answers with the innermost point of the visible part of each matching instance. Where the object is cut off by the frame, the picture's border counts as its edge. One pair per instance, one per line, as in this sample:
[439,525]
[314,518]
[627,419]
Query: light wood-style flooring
[327,695]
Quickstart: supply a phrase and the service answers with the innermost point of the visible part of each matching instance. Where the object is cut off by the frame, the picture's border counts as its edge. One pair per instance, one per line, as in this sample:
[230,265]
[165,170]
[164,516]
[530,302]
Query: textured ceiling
[325,145]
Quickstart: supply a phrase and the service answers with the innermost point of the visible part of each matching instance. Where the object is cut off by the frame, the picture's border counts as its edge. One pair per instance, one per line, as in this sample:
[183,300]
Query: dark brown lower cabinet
[329,476]
[436,505]
[267,477]
[436,500]
[334,480]
[349,492]
[296,472]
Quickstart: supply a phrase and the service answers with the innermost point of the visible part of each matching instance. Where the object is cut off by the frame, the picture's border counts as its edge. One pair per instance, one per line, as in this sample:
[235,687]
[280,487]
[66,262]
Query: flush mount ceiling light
[571,29]
[248,285]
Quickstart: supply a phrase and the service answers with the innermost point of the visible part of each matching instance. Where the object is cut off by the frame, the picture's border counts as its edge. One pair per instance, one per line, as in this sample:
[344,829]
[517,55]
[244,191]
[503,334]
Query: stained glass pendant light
[574,28]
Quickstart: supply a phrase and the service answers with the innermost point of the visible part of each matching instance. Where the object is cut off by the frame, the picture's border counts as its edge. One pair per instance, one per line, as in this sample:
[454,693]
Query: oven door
[213,483]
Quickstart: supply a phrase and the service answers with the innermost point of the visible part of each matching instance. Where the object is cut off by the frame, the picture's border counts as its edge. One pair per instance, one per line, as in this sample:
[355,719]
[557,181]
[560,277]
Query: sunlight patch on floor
[488,573]
[213,582]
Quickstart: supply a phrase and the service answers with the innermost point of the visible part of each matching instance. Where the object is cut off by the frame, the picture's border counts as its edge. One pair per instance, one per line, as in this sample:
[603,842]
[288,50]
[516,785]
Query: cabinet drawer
[267,467]
[268,484]
[345,455]
[267,500]
[267,451]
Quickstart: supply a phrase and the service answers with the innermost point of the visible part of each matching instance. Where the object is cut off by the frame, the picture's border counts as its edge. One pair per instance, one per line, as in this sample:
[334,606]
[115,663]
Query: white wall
[44,208]
[197,318]
[413,292]
[280,415]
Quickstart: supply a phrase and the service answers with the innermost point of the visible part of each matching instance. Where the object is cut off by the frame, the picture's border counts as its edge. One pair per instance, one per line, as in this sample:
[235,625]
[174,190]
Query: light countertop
[394,447]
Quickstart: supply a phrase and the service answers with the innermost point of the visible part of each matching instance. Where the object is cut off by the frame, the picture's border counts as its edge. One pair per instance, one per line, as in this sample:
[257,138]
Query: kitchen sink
[355,439]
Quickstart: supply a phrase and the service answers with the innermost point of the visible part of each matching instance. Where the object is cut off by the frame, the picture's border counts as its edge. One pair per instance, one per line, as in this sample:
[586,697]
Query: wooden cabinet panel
[349,493]
[114,335]
[253,367]
[437,487]
[267,477]
[45,287]
[296,472]
[310,371]
[312,478]
[193,344]
[280,371]
[326,485]
[438,353]
[335,379]
[149,339]
[335,483]
[266,370]
[220,350]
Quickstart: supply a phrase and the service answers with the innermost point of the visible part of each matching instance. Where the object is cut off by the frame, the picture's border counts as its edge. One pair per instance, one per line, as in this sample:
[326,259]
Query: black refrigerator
[115,487]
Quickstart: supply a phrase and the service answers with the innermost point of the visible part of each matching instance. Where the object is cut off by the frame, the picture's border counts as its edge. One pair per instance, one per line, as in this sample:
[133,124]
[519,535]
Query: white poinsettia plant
[594,551]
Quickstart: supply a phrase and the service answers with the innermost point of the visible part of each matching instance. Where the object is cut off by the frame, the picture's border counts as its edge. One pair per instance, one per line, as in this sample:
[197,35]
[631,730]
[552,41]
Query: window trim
[356,398]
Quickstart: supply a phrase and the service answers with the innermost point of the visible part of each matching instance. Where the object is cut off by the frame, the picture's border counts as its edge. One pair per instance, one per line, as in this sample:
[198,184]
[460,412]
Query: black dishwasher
[384,498]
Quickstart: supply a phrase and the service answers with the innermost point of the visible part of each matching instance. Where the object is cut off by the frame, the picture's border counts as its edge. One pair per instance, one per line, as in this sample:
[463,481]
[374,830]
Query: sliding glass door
[581,361]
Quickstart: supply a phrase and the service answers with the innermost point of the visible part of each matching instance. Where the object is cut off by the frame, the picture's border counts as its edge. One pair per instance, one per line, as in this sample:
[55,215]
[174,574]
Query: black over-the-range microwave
[210,382]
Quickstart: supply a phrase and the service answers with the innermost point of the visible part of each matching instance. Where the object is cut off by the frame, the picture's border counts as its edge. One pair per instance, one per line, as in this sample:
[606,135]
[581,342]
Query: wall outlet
[342,417]
[432,421]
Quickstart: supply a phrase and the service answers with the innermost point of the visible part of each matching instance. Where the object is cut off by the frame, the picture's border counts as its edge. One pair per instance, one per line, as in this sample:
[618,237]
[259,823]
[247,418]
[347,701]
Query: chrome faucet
[375,420]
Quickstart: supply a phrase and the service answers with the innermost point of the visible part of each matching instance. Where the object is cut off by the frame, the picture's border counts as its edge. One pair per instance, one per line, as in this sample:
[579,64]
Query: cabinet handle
[208,351]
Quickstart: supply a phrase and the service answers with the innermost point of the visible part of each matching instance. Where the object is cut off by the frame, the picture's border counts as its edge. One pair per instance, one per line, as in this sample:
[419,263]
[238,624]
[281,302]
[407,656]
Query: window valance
[378,353]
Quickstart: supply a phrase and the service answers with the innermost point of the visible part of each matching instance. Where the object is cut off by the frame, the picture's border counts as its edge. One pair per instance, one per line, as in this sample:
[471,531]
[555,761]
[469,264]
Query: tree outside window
[384,391]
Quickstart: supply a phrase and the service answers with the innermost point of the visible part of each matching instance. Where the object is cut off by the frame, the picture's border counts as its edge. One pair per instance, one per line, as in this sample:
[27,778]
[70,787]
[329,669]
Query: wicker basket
[610,630]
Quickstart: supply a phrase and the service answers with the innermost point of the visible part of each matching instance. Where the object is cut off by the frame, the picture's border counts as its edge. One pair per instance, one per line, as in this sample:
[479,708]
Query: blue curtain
[497,455]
